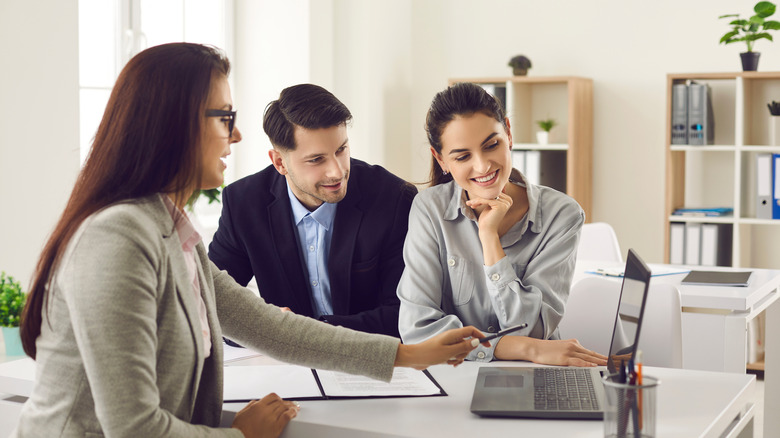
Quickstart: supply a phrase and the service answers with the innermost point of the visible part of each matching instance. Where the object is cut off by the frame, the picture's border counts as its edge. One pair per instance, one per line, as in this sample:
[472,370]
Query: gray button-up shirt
[446,285]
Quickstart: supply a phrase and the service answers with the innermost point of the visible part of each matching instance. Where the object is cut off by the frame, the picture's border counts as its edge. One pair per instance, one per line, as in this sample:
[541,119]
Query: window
[113,31]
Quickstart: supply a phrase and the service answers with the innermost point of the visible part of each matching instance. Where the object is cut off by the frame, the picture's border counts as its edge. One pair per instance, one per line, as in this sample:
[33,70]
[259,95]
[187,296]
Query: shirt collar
[188,235]
[323,215]
[458,205]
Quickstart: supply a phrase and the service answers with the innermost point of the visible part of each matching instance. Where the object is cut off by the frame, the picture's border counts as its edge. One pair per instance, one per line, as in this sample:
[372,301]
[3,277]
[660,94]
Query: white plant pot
[542,137]
[774,130]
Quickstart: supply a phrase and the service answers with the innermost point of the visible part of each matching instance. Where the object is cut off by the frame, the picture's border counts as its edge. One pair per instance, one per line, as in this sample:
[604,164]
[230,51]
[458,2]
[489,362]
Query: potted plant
[543,136]
[11,304]
[750,31]
[212,195]
[520,65]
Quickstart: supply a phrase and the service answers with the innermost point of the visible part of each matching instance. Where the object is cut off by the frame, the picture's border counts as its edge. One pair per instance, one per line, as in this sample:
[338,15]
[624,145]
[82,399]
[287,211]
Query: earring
[444,172]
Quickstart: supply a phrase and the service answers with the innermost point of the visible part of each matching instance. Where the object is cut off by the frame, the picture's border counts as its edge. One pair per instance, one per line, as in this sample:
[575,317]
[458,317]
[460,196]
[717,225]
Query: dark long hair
[461,99]
[147,142]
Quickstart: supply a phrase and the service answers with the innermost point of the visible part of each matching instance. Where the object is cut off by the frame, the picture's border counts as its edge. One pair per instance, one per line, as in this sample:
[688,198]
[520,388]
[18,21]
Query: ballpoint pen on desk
[609,272]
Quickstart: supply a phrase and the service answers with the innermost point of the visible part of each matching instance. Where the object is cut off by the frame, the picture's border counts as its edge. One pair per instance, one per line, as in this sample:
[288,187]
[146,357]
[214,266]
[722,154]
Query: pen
[503,332]
[639,383]
[608,272]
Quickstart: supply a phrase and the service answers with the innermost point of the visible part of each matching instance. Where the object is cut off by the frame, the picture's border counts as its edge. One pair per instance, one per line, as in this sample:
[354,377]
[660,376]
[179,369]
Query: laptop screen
[631,306]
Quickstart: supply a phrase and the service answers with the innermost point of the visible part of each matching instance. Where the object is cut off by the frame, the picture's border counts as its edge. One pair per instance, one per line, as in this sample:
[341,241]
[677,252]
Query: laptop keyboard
[564,389]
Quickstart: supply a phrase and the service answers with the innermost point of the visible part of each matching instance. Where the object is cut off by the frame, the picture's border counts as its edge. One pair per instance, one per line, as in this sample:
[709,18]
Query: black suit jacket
[256,236]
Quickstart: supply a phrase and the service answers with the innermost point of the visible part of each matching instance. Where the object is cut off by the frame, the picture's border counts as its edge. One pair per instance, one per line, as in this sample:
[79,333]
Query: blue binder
[775,186]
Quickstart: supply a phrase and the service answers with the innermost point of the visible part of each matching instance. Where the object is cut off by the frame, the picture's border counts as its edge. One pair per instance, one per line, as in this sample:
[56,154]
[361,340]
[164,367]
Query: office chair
[599,242]
[589,318]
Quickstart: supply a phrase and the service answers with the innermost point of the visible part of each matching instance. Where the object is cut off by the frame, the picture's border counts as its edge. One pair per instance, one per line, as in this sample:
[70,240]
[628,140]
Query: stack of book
[704,212]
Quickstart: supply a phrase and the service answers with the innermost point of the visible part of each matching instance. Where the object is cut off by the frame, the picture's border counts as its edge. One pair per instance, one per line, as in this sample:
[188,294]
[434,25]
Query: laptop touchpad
[497,381]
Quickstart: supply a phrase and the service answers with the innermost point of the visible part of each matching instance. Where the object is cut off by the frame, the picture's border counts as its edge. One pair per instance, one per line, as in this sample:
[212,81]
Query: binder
[776,186]
[679,114]
[677,243]
[701,126]
[692,243]
[498,91]
[518,160]
[716,244]
[764,186]
[533,166]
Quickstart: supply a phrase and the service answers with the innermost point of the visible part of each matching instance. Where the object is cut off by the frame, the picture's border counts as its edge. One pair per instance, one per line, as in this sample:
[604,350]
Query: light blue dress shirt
[315,231]
[446,285]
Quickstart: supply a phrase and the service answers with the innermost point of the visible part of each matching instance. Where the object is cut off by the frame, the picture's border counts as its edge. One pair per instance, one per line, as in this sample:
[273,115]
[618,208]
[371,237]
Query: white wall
[39,126]
[627,48]
[385,60]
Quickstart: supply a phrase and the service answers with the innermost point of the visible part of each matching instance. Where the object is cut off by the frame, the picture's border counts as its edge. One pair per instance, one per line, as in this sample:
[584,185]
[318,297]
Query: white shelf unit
[569,101]
[723,174]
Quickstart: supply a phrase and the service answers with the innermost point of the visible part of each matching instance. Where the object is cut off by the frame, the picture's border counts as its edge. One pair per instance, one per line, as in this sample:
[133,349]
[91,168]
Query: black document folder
[291,382]
[717,278]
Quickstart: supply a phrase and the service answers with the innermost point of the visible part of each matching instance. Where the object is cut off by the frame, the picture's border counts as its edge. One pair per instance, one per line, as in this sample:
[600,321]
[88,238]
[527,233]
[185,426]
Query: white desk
[690,404]
[714,324]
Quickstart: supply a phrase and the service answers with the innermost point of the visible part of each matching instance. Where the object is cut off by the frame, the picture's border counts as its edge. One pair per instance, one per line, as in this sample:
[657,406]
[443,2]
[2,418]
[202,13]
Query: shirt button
[311,248]
[491,329]
[314,283]
[451,262]
[481,355]
[495,277]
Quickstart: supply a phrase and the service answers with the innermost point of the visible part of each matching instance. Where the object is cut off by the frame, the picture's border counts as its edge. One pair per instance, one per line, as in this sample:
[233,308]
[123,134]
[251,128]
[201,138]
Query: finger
[285,309]
[471,331]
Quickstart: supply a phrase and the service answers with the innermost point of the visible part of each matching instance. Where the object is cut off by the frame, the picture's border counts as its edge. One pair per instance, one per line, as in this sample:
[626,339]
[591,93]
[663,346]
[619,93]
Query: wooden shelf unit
[568,100]
[723,174]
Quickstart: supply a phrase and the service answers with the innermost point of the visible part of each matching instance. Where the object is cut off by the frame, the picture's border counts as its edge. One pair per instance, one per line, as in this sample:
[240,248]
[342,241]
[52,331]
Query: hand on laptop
[547,351]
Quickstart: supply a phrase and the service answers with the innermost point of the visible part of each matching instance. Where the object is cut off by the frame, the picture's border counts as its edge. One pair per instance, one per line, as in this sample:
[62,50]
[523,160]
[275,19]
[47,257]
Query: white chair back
[589,318]
[661,336]
[589,315]
[599,242]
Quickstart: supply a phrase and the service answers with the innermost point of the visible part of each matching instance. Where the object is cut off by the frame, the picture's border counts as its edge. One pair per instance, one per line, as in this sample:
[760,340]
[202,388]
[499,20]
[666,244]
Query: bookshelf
[723,174]
[566,162]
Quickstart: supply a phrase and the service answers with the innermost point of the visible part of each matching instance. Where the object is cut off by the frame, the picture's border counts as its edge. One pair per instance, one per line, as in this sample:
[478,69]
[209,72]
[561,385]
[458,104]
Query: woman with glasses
[485,247]
[126,313]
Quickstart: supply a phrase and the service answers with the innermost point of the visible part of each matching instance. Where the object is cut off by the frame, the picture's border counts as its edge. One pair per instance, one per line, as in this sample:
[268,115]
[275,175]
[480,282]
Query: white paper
[231,354]
[405,382]
[253,382]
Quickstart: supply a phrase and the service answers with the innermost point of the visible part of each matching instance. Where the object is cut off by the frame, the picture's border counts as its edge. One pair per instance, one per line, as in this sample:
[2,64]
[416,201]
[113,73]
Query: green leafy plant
[11,301]
[752,29]
[212,195]
[520,65]
[546,125]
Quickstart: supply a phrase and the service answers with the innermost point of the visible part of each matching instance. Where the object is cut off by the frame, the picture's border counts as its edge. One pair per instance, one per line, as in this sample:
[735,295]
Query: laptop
[566,392]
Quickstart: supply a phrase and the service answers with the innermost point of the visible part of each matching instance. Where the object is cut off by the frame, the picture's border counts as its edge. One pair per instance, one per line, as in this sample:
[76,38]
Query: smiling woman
[485,247]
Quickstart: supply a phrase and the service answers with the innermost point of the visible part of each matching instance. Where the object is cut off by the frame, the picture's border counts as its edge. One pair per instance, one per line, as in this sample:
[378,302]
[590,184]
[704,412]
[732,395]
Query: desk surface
[691,404]
[762,288]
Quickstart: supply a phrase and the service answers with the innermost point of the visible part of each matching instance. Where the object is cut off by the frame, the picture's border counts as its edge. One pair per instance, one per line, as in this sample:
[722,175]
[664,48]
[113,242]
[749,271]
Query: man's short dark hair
[306,105]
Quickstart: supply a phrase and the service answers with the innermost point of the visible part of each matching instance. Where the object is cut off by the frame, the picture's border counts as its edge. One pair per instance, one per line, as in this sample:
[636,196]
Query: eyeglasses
[230,115]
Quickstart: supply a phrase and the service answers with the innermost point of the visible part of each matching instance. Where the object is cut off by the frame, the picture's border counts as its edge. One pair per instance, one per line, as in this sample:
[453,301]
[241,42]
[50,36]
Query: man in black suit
[321,233]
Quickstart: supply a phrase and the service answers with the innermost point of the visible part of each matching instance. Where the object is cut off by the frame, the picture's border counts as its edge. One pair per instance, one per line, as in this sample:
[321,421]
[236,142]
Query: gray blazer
[121,351]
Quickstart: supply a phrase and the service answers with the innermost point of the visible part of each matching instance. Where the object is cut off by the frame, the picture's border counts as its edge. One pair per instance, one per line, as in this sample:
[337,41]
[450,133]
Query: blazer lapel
[179,273]
[342,248]
[286,249]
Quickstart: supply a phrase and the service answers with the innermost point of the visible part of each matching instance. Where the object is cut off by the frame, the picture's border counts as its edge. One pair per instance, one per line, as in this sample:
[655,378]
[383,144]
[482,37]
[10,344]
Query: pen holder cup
[630,410]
